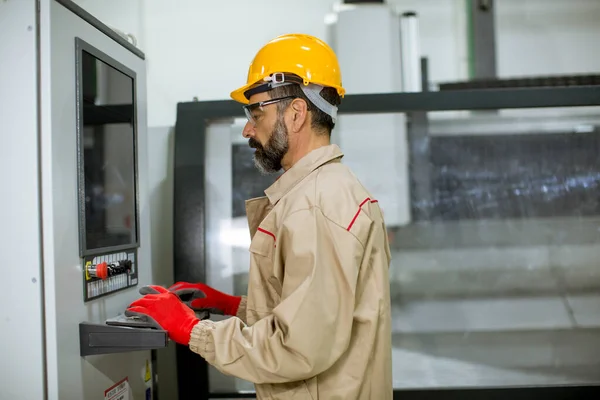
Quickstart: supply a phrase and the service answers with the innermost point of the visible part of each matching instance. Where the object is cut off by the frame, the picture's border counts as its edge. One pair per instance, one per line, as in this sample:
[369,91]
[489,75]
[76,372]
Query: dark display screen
[107,155]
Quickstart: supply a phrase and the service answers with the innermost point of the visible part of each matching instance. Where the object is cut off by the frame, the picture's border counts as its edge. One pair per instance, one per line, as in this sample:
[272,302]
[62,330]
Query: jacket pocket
[262,287]
[263,243]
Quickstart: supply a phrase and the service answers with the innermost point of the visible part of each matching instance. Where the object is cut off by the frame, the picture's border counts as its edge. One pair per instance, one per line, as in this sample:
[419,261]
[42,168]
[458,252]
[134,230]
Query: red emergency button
[102,270]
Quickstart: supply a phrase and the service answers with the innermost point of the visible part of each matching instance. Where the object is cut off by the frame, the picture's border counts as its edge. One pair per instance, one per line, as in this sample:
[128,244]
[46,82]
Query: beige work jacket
[316,321]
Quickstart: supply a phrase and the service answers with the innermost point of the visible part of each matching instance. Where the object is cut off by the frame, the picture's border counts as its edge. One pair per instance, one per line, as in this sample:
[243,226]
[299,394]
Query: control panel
[109,273]
[109,229]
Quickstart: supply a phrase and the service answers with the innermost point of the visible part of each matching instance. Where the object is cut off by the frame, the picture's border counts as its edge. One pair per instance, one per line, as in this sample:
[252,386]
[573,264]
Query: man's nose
[248,131]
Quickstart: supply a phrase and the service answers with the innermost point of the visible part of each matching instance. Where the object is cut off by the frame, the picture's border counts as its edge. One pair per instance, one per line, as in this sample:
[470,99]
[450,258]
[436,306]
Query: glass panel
[493,222]
[494,281]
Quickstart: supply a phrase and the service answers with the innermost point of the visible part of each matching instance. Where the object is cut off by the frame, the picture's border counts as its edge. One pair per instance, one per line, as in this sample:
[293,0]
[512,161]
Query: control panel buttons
[105,269]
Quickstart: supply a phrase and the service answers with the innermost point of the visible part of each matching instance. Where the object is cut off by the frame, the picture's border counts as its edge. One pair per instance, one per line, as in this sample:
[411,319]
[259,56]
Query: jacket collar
[302,169]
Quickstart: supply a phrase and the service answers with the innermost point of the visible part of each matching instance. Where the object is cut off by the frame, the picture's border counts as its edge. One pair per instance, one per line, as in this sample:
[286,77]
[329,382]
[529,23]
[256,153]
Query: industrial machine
[75,212]
[489,191]
[495,280]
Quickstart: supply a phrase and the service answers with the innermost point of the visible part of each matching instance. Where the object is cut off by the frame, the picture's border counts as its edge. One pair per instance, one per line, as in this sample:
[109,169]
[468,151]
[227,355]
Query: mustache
[255,144]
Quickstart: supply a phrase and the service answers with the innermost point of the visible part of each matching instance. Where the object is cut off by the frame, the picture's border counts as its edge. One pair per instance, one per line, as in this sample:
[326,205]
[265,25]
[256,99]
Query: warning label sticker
[147,375]
[119,391]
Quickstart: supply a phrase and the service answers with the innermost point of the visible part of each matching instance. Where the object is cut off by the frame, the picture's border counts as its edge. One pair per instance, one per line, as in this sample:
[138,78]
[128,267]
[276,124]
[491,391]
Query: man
[315,323]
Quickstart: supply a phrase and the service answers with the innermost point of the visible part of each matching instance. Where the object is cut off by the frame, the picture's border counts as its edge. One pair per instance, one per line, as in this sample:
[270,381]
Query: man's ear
[299,115]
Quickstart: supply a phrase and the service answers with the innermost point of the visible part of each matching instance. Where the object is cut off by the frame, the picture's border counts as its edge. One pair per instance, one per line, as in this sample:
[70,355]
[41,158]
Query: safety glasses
[249,108]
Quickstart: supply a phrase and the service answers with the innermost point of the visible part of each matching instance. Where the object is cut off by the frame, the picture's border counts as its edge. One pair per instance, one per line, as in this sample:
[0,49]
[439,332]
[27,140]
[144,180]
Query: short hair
[321,122]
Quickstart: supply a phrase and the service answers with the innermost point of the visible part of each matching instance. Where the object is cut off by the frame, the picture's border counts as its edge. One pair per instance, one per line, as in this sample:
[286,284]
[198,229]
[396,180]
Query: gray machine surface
[76,237]
[21,315]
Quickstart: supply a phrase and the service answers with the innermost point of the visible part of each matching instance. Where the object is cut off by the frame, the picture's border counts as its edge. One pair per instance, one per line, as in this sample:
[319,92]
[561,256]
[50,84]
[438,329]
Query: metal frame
[80,47]
[96,23]
[381,103]
[189,219]
[521,393]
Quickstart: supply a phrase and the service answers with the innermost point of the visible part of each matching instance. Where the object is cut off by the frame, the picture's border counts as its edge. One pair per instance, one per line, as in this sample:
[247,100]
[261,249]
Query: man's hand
[168,311]
[204,298]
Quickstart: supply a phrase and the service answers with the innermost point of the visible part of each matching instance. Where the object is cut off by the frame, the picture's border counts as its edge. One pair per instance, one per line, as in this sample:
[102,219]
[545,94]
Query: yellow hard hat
[304,56]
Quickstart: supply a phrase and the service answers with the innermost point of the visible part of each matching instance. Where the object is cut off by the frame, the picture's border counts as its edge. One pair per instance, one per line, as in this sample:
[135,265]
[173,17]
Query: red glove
[168,311]
[203,297]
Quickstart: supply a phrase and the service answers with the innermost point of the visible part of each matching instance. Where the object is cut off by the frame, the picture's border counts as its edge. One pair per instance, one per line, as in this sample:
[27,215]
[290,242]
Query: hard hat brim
[238,94]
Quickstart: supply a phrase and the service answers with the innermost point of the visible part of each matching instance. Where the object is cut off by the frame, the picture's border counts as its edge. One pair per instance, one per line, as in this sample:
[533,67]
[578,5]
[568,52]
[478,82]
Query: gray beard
[268,159]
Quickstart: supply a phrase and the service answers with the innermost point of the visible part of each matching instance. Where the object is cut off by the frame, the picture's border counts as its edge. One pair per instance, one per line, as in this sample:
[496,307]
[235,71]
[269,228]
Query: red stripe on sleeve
[358,212]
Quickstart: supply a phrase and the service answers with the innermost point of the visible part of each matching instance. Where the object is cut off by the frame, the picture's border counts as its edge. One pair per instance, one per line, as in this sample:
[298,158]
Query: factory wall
[470,337]
[202,49]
